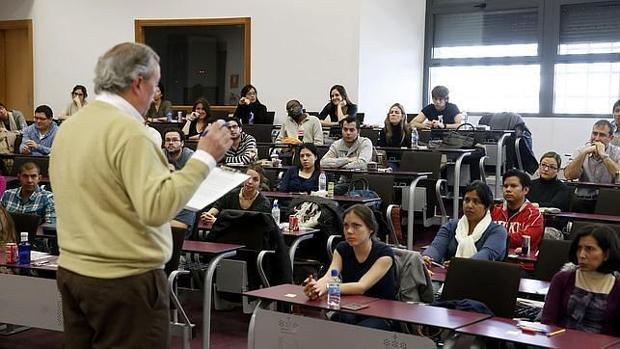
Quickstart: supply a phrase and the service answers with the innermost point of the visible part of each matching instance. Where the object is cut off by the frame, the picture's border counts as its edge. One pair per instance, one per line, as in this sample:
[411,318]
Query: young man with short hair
[597,162]
[243,149]
[175,150]
[517,214]
[351,151]
[440,113]
[38,137]
[29,198]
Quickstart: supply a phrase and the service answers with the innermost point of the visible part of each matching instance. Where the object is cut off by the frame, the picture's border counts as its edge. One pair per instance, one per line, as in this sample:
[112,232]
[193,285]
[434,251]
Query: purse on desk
[457,140]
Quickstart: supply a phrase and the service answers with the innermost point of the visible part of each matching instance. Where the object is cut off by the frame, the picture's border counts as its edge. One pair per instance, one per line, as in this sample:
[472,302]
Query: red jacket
[527,221]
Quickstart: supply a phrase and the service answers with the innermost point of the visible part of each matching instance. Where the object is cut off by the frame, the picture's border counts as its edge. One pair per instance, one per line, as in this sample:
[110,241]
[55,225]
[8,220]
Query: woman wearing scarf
[472,236]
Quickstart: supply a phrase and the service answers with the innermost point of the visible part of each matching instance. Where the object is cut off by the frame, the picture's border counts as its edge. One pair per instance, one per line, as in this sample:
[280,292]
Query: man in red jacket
[517,214]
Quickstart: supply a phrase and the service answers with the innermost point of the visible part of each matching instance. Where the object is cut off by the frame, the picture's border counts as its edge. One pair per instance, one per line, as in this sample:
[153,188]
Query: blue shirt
[31,133]
[291,182]
[40,203]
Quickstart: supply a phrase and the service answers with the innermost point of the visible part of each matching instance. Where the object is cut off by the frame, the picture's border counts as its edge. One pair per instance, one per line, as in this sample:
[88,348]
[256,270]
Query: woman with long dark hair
[250,110]
[305,176]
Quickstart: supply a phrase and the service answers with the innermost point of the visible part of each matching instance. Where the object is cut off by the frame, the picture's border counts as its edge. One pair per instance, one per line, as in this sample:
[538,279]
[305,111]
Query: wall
[391,56]
[299,48]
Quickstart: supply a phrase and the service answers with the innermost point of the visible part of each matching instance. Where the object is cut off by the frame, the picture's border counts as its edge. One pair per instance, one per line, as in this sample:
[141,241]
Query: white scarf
[467,243]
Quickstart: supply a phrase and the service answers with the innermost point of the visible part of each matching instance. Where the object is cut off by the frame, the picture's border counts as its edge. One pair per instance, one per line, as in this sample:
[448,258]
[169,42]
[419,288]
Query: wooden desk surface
[505,329]
[591,185]
[209,247]
[338,198]
[44,263]
[422,314]
[528,286]
[395,173]
[584,217]
[294,294]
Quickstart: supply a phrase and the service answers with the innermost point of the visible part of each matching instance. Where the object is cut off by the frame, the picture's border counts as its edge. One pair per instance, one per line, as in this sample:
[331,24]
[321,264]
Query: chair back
[269,117]
[383,185]
[495,284]
[41,161]
[26,223]
[607,202]
[580,226]
[552,255]
[422,161]
[371,134]
[178,236]
[262,132]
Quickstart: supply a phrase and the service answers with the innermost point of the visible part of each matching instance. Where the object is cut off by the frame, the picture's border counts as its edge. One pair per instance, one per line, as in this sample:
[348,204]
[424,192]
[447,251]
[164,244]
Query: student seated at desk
[352,151]
[300,127]
[585,295]
[159,108]
[517,214]
[247,197]
[395,133]
[250,110]
[78,100]
[338,108]
[548,190]
[198,119]
[38,137]
[439,114]
[305,176]
[30,198]
[474,235]
[365,264]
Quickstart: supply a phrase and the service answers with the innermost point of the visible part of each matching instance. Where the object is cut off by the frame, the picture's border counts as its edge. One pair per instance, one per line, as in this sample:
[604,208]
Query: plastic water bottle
[275,211]
[24,249]
[322,181]
[414,138]
[169,116]
[251,119]
[333,291]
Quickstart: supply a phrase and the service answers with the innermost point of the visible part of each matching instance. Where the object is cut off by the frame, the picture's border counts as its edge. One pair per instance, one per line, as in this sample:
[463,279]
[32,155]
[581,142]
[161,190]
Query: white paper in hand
[218,182]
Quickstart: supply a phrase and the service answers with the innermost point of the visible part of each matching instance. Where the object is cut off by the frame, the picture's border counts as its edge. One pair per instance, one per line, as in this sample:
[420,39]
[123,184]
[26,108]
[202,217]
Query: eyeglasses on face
[175,140]
[548,167]
[78,94]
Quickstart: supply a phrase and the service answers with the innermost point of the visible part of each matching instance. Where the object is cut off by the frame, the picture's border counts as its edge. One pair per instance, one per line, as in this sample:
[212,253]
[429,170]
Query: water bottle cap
[24,235]
[334,272]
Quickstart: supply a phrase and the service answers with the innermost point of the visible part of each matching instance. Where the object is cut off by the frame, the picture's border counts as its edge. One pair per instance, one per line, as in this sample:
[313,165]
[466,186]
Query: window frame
[246,22]
[547,58]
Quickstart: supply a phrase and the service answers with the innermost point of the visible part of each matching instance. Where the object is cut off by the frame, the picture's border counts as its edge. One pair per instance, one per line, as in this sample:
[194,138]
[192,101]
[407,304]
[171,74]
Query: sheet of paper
[219,182]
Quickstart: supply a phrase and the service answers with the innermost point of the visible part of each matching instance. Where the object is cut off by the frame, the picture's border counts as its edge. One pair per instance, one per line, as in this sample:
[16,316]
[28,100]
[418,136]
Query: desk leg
[457,185]
[498,165]
[206,312]
[411,211]
[293,248]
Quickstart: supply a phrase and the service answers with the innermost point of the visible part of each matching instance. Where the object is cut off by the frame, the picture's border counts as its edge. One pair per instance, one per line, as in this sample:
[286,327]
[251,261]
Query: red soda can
[11,253]
[293,223]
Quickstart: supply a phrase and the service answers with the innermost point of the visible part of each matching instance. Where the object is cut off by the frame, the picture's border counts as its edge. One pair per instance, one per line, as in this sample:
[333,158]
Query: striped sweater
[246,152]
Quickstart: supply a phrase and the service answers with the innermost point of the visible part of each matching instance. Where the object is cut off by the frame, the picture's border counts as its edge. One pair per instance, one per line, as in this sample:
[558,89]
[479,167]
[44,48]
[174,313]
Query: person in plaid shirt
[29,198]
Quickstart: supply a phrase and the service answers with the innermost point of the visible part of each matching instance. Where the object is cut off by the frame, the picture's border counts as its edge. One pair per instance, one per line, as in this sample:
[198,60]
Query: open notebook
[219,182]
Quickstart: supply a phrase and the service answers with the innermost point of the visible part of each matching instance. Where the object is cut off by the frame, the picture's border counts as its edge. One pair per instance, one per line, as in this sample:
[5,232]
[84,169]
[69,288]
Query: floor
[228,328]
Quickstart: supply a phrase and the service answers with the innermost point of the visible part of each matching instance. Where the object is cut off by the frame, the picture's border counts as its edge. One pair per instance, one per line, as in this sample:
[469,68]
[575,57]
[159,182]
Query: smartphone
[354,306]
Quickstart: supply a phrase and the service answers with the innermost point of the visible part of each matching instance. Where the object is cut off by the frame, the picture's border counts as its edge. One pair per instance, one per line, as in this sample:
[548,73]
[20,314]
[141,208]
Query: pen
[437,265]
[554,333]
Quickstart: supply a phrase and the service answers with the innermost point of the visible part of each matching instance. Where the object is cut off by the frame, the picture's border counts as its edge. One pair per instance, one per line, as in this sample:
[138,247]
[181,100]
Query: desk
[298,236]
[344,199]
[603,218]
[526,286]
[513,257]
[415,177]
[592,185]
[505,329]
[218,251]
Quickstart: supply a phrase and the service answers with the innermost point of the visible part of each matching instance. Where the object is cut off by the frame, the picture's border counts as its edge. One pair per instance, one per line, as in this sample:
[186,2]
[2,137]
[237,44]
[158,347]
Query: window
[491,55]
[200,57]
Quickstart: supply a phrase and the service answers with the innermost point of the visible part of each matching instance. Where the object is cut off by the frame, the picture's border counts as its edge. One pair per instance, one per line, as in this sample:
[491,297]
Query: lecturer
[114,198]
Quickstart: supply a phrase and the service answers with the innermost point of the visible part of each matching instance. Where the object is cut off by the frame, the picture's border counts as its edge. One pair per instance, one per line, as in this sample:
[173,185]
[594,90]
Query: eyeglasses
[172,140]
[548,167]
[78,94]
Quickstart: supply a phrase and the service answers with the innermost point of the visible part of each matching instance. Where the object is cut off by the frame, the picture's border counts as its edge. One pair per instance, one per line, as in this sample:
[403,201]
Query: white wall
[391,56]
[299,48]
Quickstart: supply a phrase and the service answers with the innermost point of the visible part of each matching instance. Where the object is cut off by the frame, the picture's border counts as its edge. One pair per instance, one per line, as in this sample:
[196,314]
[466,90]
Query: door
[16,66]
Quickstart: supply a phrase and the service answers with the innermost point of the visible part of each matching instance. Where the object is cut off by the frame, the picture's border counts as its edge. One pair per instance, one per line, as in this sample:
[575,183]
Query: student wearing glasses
[597,161]
[78,100]
[548,190]
[175,150]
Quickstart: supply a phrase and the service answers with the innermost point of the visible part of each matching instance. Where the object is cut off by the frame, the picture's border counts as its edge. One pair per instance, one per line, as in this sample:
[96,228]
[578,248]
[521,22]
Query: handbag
[457,140]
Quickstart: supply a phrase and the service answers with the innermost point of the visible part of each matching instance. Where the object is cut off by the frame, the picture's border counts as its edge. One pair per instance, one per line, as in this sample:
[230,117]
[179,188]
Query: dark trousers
[130,312]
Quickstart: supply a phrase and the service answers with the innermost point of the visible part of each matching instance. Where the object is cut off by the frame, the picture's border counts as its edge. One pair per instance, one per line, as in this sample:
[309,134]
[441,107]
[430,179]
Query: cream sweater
[114,194]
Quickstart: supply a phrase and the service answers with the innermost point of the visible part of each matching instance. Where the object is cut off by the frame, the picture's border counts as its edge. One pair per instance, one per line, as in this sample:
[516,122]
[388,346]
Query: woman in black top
[395,133]
[198,120]
[366,265]
[548,190]
[338,108]
[250,110]
[305,176]
[247,197]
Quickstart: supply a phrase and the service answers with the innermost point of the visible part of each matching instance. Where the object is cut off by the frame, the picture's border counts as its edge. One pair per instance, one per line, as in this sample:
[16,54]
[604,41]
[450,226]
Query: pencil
[554,333]
[438,265]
